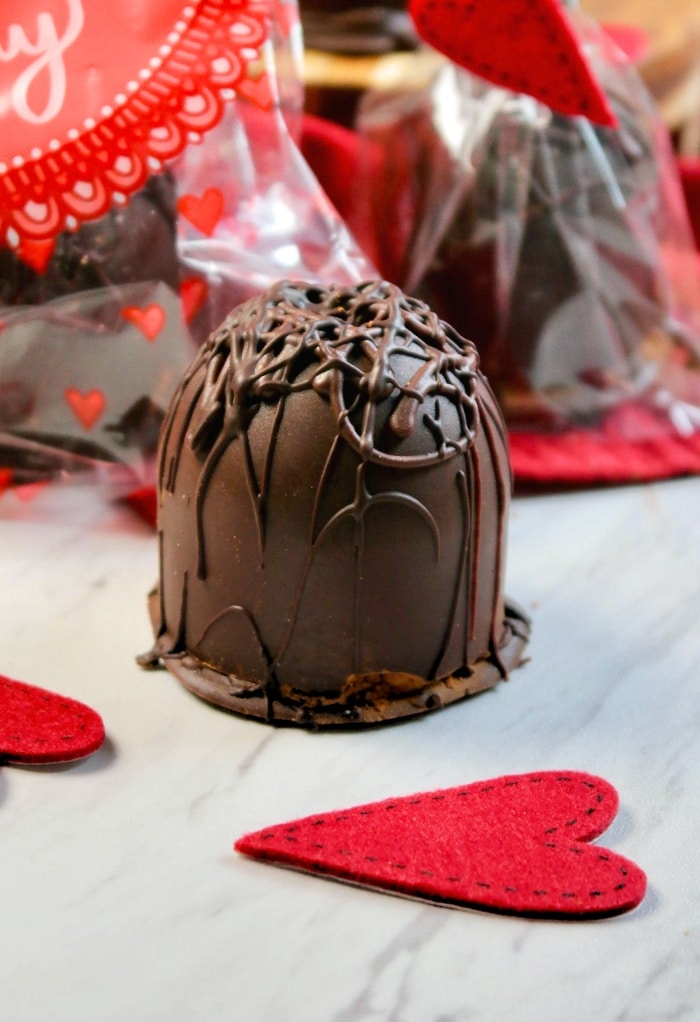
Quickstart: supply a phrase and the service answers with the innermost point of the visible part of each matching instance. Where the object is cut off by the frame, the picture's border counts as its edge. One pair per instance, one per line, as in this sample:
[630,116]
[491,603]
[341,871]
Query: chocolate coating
[333,493]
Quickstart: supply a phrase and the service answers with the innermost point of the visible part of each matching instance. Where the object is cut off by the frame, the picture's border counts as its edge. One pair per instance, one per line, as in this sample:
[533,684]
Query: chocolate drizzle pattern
[334,485]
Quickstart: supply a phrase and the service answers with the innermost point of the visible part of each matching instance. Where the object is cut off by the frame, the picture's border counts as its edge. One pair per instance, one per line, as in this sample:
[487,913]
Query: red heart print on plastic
[523,45]
[98,96]
[149,320]
[86,407]
[515,844]
[193,293]
[203,211]
[37,726]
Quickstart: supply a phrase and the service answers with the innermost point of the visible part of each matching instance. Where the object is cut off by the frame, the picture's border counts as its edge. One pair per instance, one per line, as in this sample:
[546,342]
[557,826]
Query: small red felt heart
[87,407]
[513,844]
[523,45]
[149,320]
[202,211]
[37,726]
[193,292]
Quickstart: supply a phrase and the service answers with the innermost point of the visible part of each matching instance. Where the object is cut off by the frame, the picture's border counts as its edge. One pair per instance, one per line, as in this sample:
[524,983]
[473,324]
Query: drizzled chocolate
[333,492]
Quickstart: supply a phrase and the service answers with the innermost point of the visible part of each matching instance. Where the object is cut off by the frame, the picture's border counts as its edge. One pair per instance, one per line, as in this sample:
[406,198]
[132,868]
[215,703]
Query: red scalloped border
[216,56]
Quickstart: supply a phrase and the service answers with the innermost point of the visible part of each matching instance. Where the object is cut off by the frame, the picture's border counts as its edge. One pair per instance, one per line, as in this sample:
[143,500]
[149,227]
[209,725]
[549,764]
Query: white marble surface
[121,897]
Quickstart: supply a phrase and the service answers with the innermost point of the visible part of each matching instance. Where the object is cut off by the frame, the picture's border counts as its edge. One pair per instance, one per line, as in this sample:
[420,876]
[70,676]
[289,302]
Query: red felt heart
[149,320]
[523,45]
[514,844]
[193,292]
[202,211]
[87,407]
[158,74]
[37,726]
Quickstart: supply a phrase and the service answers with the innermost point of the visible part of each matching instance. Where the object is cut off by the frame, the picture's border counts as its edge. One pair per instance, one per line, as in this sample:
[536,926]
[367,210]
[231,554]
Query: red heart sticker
[202,211]
[515,844]
[98,96]
[149,320]
[87,407]
[523,45]
[37,726]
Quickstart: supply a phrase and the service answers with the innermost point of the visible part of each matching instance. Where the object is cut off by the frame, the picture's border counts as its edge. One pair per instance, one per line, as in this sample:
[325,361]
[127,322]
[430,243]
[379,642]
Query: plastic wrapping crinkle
[149,181]
[560,247]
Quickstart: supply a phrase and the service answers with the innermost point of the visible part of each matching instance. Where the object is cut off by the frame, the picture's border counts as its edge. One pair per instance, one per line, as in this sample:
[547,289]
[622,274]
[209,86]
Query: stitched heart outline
[522,45]
[183,61]
[42,727]
[517,844]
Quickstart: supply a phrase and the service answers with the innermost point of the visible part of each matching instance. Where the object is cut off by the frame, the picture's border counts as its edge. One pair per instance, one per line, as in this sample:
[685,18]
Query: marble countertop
[120,894]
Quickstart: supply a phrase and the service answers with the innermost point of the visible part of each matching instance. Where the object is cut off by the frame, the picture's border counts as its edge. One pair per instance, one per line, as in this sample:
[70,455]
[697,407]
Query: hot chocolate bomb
[333,494]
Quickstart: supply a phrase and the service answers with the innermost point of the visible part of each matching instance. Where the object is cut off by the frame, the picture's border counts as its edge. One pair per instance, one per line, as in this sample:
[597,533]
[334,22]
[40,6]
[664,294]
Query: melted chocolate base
[380,697]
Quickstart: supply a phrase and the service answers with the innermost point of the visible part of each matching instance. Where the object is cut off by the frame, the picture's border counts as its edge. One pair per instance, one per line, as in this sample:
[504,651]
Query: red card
[37,726]
[515,844]
[99,95]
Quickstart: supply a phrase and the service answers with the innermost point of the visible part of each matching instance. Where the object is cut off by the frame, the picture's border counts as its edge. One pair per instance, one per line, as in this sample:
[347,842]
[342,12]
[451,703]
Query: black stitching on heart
[507,889]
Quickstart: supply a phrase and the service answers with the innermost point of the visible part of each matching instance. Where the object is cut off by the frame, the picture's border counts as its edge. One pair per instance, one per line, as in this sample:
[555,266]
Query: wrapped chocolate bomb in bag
[148,175]
[556,239]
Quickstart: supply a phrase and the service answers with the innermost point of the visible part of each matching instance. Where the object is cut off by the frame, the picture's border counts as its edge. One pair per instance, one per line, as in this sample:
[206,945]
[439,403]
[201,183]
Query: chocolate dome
[333,494]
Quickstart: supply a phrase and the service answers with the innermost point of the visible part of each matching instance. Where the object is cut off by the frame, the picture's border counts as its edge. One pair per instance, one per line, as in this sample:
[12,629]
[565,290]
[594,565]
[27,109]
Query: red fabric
[37,726]
[523,45]
[515,844]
